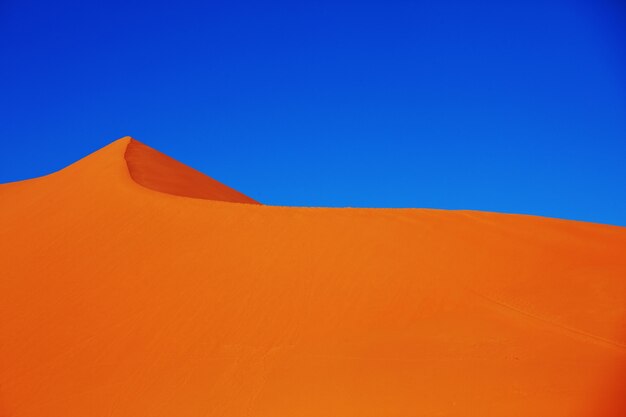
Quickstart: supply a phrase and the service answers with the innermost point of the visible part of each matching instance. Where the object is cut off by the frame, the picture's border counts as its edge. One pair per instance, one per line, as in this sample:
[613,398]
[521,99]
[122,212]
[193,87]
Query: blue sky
[515,107]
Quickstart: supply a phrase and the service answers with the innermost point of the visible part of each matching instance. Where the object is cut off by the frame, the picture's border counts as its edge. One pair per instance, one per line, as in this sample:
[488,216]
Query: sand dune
[132,285]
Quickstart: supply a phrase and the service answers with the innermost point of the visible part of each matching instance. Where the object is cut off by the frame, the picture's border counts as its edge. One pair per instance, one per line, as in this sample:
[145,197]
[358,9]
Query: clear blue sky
[487,105]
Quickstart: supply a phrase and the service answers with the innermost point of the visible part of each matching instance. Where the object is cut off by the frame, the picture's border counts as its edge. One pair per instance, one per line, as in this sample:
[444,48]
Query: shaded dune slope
[121,296]
[159,172]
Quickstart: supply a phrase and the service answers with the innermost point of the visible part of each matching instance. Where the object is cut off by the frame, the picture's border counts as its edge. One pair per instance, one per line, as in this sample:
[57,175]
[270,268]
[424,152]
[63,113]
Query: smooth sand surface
[121,295]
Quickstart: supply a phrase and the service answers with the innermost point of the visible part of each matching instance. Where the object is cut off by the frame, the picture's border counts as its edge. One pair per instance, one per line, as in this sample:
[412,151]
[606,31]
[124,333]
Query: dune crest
[119,301]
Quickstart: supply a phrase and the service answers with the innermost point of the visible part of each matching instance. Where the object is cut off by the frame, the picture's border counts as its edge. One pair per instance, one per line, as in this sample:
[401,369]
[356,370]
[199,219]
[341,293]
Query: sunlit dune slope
[128,289]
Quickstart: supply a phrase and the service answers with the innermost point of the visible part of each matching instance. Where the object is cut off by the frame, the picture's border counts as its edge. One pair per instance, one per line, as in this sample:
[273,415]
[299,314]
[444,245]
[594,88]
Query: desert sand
[132,285]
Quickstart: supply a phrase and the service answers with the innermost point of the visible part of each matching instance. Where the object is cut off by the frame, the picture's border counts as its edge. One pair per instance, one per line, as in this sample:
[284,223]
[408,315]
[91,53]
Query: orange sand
[122,296]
